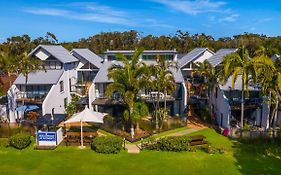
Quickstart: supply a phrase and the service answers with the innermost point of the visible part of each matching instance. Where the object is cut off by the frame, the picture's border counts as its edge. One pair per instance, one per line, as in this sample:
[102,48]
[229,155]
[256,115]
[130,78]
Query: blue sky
[73,19]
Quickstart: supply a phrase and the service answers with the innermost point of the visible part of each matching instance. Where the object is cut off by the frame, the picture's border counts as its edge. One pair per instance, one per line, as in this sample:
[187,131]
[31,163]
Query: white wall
[55,98]
[265,111]
[12,104]
[207,54]
[92,95]
[221,106]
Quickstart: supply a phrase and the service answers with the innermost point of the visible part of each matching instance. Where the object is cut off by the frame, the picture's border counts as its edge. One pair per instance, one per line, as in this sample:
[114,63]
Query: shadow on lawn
[258,157]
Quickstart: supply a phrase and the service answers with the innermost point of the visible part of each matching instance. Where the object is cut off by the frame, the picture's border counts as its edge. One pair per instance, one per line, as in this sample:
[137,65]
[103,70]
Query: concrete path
[184,132]
[132,148]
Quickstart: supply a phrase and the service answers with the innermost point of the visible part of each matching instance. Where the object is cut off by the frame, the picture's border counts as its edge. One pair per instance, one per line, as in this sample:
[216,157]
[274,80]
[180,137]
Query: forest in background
[182,41]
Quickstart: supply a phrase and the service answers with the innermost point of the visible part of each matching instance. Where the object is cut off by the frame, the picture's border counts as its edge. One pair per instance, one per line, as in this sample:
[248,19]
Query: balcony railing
[31,96]
[153,96]
[235,103]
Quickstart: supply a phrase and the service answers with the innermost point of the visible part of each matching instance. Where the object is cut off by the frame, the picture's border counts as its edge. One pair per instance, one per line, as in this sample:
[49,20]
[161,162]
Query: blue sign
[47,136]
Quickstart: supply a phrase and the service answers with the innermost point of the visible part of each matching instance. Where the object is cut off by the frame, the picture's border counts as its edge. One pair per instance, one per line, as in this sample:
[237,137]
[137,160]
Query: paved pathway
[184,132]
[132,148]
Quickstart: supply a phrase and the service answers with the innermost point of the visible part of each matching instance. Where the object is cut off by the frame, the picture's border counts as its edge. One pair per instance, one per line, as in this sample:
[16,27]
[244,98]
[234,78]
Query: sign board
[47,138]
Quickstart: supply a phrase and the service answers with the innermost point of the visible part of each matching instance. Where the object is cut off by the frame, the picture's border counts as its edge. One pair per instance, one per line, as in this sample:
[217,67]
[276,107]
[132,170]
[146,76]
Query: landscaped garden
[236,159]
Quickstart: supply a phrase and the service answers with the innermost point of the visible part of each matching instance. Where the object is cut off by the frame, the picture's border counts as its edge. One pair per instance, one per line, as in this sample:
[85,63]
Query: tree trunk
[165,105]
[269,109]
[137,127]
[156,112]
[132,130]
[274,115]
[242,104]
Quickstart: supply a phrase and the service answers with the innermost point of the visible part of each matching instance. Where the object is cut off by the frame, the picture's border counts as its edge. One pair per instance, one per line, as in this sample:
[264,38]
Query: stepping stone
[132,149]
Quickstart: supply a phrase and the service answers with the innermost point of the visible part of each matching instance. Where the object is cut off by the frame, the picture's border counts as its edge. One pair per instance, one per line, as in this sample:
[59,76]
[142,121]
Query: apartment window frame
[65,102]
[61,84]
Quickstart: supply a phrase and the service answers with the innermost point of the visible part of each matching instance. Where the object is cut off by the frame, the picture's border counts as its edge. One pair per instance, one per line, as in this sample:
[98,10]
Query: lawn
[71,160]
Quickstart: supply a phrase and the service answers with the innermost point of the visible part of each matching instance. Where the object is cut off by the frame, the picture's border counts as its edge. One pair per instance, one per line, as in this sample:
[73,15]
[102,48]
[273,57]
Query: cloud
[193,7]
[155,23]
[230,18]
[94,15]
[93,12]
[47,11]
[264,20]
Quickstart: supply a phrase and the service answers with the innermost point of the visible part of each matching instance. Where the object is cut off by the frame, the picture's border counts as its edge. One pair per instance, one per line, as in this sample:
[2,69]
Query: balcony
[153,97]
[249,103]
[32,97]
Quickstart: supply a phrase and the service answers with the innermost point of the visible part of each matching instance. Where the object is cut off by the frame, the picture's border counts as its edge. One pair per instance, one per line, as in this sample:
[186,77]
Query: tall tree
[239,64]
[163,81]
[28,65]
[269,77]
[210,74]
[128,79]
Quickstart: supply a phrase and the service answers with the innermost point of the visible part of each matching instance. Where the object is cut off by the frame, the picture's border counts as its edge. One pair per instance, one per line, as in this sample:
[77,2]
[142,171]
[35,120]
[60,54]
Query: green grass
[155,136]
[105,132]
[71,160]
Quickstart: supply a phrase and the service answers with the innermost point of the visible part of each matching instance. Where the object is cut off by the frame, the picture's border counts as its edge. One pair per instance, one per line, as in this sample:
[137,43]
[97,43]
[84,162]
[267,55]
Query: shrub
[175,144]
[4,142]
[107,145]
[20,141]
[212,150]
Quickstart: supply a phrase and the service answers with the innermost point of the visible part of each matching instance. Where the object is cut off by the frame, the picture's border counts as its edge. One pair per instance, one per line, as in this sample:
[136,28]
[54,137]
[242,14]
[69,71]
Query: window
[65,102]
[216,93]
[61,86]
[70,85]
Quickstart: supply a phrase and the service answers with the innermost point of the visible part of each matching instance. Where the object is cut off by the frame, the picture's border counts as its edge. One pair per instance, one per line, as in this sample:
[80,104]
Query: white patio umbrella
[86,115]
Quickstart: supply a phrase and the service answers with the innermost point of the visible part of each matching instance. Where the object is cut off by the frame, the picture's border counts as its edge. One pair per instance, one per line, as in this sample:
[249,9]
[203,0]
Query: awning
[107,102]
[83,101]
[26,108]
[47,119]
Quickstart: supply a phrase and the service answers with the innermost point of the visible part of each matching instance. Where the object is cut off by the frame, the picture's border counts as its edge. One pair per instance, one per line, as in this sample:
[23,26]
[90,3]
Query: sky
[71,20]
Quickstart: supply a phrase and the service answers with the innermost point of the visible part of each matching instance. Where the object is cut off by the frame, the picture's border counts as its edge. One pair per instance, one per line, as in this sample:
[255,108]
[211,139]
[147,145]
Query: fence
[254,134]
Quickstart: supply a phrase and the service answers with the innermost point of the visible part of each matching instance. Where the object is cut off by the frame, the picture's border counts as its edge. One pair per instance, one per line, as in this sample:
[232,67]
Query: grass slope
[71,160]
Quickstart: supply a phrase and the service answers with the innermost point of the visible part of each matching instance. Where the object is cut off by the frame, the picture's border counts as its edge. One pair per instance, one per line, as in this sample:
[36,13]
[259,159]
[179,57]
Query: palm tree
[128,79]
[162,80]
[269,77]
[26,66]
[210,74]
[239,64]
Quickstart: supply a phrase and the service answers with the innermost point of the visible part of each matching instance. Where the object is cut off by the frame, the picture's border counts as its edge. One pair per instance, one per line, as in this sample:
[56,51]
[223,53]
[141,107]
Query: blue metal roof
[217,58]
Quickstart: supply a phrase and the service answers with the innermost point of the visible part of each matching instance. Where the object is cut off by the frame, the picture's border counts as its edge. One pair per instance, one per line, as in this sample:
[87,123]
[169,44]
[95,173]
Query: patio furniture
[197,140]
[85,116]
[75,137]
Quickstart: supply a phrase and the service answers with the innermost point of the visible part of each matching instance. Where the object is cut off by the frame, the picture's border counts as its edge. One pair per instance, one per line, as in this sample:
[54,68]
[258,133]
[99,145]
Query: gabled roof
[40,77]
[88,55]
[217,58]
[101,76]
[191,56]
[56,51]
[130,52]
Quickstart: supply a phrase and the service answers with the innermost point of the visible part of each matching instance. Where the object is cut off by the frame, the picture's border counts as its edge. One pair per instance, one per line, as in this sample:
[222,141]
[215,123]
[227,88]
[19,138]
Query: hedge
[175,144]
[107,144]
[20,141]
[4,142]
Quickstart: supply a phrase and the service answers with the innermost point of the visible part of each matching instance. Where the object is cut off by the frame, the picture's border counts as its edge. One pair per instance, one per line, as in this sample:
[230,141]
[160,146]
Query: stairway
[193,121]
